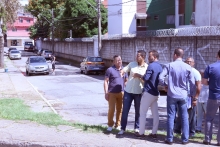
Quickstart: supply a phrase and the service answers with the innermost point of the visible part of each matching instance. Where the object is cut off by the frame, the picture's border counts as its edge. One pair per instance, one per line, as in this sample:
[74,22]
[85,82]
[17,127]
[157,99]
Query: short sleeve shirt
[212,72]
[116,82]
[135,85]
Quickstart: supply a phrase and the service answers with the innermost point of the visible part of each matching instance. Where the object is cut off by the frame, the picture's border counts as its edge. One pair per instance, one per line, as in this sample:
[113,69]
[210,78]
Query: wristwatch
[195,99]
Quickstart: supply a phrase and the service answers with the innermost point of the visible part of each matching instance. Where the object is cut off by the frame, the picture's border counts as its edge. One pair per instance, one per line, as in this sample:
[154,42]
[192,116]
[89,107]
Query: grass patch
[15,109]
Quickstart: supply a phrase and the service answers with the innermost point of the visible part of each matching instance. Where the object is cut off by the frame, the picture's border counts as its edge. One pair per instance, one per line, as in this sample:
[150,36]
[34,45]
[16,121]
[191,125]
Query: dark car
[12,48]
[46,53]
[28,46]
[92,64]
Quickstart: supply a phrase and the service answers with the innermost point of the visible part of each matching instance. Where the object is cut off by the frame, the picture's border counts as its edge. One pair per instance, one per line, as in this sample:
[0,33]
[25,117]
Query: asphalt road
[78,97]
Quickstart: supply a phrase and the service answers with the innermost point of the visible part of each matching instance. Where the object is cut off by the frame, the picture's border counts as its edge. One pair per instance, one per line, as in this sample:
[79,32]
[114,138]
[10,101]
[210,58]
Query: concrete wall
[207,13]
[202,49]
[121,18]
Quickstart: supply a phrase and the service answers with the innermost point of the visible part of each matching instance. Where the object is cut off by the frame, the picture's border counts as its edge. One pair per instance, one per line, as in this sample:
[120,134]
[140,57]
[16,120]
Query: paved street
[77,97]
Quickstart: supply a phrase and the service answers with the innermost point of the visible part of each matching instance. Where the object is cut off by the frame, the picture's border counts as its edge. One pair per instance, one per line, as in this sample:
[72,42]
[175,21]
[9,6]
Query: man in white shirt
[133,89]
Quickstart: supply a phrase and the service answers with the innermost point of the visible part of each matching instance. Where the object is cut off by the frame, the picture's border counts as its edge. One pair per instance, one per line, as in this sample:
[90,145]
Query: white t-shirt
[204,94]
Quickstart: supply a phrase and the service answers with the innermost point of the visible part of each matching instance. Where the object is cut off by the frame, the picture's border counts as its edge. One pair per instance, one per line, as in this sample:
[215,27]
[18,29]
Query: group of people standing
[191,94]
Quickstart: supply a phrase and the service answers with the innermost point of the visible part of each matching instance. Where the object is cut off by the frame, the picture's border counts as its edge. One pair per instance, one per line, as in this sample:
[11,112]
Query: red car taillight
[88,63]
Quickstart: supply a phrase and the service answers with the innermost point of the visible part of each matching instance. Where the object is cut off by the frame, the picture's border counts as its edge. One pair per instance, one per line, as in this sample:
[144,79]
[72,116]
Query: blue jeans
[212,107]
[172,104]
[192,121]
[127,101]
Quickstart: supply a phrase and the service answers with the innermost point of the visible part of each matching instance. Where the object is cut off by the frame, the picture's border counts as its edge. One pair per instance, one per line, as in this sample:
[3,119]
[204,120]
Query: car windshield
[95,59]
[37,60]
[28,43]
[15,52]
[50,52]
[12,48]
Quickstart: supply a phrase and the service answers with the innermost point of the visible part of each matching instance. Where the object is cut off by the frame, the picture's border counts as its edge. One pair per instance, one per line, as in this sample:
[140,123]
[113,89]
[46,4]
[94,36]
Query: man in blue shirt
[114,91]
[212,78]
[150,94]
[179,75]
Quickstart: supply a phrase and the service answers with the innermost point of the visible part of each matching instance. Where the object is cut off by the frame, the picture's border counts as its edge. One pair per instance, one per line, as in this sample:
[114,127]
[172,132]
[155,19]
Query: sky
[23,2]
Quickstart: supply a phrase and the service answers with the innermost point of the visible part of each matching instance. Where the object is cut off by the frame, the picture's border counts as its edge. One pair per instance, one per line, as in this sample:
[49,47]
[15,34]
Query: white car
[36,65]
[14,54]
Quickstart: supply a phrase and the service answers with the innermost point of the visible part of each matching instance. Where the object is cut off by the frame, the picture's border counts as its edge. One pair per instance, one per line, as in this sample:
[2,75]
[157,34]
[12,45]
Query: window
[21,20]
[181,19]
[28,20]
[156,17]
[170,19]
[141,22]
[14,29]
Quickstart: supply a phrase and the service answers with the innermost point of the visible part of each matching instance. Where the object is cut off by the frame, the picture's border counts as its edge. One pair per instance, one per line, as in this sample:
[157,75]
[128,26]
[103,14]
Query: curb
[45,100]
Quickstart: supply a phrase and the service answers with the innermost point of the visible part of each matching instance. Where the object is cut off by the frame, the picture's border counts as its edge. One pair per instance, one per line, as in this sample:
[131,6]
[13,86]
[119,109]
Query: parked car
[39,52]
[36,65]
[92,64]
[46,54]
[28,46]
[14,54]
[162,88]
[11,48]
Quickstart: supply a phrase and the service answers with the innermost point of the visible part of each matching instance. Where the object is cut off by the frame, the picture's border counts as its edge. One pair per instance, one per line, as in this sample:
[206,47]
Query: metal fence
[191,31]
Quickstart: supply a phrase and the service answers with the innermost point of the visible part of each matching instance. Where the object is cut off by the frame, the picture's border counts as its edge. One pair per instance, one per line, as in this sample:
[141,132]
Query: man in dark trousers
[52,59]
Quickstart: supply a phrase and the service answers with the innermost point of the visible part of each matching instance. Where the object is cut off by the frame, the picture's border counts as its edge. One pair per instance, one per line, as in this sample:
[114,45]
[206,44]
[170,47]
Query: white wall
[121,17]
[203,15]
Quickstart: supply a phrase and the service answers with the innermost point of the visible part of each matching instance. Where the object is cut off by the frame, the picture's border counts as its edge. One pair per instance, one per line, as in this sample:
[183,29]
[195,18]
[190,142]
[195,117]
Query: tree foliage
[8,12]
[76,15]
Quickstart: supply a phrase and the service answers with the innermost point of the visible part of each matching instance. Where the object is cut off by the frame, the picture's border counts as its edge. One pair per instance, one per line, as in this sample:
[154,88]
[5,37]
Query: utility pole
[52,31]
[99,27]
[1,42]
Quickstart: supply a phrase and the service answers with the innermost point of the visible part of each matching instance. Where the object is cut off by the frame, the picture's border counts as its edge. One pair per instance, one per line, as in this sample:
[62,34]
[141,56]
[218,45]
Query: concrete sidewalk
[30,134]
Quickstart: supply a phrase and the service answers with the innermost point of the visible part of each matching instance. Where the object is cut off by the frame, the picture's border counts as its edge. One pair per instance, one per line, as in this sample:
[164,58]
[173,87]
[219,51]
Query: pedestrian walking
[52,59]
[133,89]
[150,94]
[191,107]
[179,74]
[211,78]
[114,91]
[202,104]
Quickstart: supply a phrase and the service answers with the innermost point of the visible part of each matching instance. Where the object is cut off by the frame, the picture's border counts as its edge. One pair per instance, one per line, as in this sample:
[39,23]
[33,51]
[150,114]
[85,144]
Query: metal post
[99,27]
[1,45]
[70,33]
[52,31]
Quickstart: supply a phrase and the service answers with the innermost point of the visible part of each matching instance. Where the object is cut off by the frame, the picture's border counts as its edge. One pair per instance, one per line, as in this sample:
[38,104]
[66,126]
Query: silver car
[14,54]
[36,65]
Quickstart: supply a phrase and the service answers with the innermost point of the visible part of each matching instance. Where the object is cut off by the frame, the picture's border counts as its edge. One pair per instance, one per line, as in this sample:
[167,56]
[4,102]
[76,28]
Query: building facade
[126,16]
[18,32]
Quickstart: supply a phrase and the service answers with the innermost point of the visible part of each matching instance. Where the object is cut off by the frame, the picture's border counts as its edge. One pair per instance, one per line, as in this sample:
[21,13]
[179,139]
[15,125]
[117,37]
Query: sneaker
[118,128]
[109,129]
[136,131]
[121,132]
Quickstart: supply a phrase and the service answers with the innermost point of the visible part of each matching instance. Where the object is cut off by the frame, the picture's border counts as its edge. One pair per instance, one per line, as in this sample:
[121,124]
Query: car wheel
[47,73]
[81,71]
[27,73]
[86,72]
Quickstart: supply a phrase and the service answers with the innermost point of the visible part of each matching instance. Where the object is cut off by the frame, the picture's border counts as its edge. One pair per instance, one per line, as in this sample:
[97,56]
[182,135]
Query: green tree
[76,15]
[41,9]
[80,17]
[8,12]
